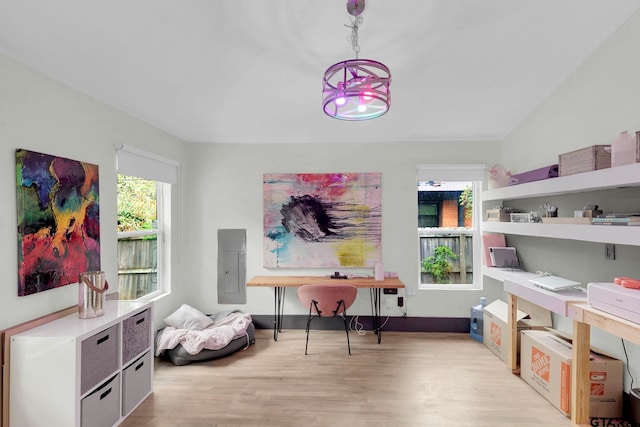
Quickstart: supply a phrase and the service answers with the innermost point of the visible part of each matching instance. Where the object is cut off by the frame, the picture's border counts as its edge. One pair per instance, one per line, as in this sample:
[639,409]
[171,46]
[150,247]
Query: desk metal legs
[278,299]
[278,311]
[375,311]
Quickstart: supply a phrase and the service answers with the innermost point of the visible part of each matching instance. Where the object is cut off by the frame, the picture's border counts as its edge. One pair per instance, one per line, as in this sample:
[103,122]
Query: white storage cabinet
[83,372]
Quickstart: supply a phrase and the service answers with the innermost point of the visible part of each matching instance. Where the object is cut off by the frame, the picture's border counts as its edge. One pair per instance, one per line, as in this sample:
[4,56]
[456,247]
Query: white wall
[598,101]
[40,114]
[226,192]
[591,107]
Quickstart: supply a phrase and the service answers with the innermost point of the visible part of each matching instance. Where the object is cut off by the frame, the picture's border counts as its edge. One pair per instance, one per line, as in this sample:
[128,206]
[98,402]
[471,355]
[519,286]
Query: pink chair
[327,300]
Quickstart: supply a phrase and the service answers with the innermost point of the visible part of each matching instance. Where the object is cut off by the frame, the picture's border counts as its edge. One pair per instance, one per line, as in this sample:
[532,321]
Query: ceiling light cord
[353,37]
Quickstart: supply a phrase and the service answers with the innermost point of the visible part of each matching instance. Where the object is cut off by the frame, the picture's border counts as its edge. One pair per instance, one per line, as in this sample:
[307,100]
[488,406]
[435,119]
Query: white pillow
[187,317]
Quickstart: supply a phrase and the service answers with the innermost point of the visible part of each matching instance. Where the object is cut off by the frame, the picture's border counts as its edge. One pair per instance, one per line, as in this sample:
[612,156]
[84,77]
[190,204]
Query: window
[144,207]
[139,236]
[448,226]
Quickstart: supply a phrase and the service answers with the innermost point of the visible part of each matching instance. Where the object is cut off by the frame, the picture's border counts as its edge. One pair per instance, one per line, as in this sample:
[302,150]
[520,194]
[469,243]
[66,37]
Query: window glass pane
[138,237]
[446,232]
[446,259]
[137,266]
[427,209]
[427,214]
[137,204]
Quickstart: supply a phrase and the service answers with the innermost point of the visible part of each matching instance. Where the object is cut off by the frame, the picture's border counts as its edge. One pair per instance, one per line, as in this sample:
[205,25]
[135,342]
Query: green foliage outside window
[466,201]
[136,204]
[438,264]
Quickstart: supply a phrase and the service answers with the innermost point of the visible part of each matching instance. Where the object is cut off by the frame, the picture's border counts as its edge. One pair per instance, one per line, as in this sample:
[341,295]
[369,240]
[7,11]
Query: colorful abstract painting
[58,221]
[327,220]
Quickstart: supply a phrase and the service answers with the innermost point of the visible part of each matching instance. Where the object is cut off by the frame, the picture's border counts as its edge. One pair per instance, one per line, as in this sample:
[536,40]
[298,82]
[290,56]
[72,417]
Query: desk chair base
[339,309]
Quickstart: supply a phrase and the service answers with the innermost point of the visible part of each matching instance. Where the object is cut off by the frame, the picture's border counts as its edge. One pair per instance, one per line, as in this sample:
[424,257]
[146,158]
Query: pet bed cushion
[171,349]
[179,356]
[187,317]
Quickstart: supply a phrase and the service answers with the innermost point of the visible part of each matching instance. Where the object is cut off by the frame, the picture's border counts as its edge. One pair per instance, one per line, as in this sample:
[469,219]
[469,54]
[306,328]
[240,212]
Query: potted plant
[438,264]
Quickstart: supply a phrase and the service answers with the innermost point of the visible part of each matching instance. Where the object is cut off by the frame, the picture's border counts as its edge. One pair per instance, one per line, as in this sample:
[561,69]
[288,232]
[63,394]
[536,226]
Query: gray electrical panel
[232,266]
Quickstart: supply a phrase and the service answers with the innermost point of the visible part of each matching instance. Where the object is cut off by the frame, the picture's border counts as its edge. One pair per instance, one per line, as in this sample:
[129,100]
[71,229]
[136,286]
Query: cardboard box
[497,215]
[586,213]
[584,160]
[495,325]
[546,366]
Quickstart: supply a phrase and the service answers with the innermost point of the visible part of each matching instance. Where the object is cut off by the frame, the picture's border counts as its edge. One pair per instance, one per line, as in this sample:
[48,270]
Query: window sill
[448,287]
[153,297]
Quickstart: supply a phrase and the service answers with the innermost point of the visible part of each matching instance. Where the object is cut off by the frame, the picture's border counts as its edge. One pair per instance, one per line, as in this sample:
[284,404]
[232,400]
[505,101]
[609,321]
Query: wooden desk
[280,283]
[585,316]
[518,286]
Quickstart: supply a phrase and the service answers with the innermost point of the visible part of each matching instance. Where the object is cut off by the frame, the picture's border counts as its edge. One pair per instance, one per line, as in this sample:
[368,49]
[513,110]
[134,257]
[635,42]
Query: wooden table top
[611,323]
[295,281]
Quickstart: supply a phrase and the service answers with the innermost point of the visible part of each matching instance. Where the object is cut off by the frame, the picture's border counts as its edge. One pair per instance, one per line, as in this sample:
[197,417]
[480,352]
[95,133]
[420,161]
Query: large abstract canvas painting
[58,221]
[327,220]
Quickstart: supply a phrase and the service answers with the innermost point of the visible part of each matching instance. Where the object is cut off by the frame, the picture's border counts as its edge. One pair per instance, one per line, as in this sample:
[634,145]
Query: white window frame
[472,173]
[165,172]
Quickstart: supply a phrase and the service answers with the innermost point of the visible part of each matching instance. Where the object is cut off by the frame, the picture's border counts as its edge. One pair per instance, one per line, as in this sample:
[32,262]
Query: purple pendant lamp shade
[356,89]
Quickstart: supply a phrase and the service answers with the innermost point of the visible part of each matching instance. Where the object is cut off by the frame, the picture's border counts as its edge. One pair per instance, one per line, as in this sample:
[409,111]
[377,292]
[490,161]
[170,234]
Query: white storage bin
[101,408]
[136,383]
[136,331]
[99,357]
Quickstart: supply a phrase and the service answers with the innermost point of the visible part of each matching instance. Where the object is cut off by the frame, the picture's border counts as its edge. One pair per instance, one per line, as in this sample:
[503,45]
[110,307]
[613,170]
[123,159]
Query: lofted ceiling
[242,71]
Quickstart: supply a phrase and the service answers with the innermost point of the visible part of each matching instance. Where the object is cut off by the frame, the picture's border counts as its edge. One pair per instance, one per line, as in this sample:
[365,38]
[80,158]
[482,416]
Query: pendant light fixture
[356,89]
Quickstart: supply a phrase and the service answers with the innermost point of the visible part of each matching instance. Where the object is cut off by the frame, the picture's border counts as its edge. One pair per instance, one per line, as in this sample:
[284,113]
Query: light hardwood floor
[411,379]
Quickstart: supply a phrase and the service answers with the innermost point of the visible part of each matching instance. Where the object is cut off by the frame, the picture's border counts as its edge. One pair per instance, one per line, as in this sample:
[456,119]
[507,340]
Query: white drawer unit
[84,372]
